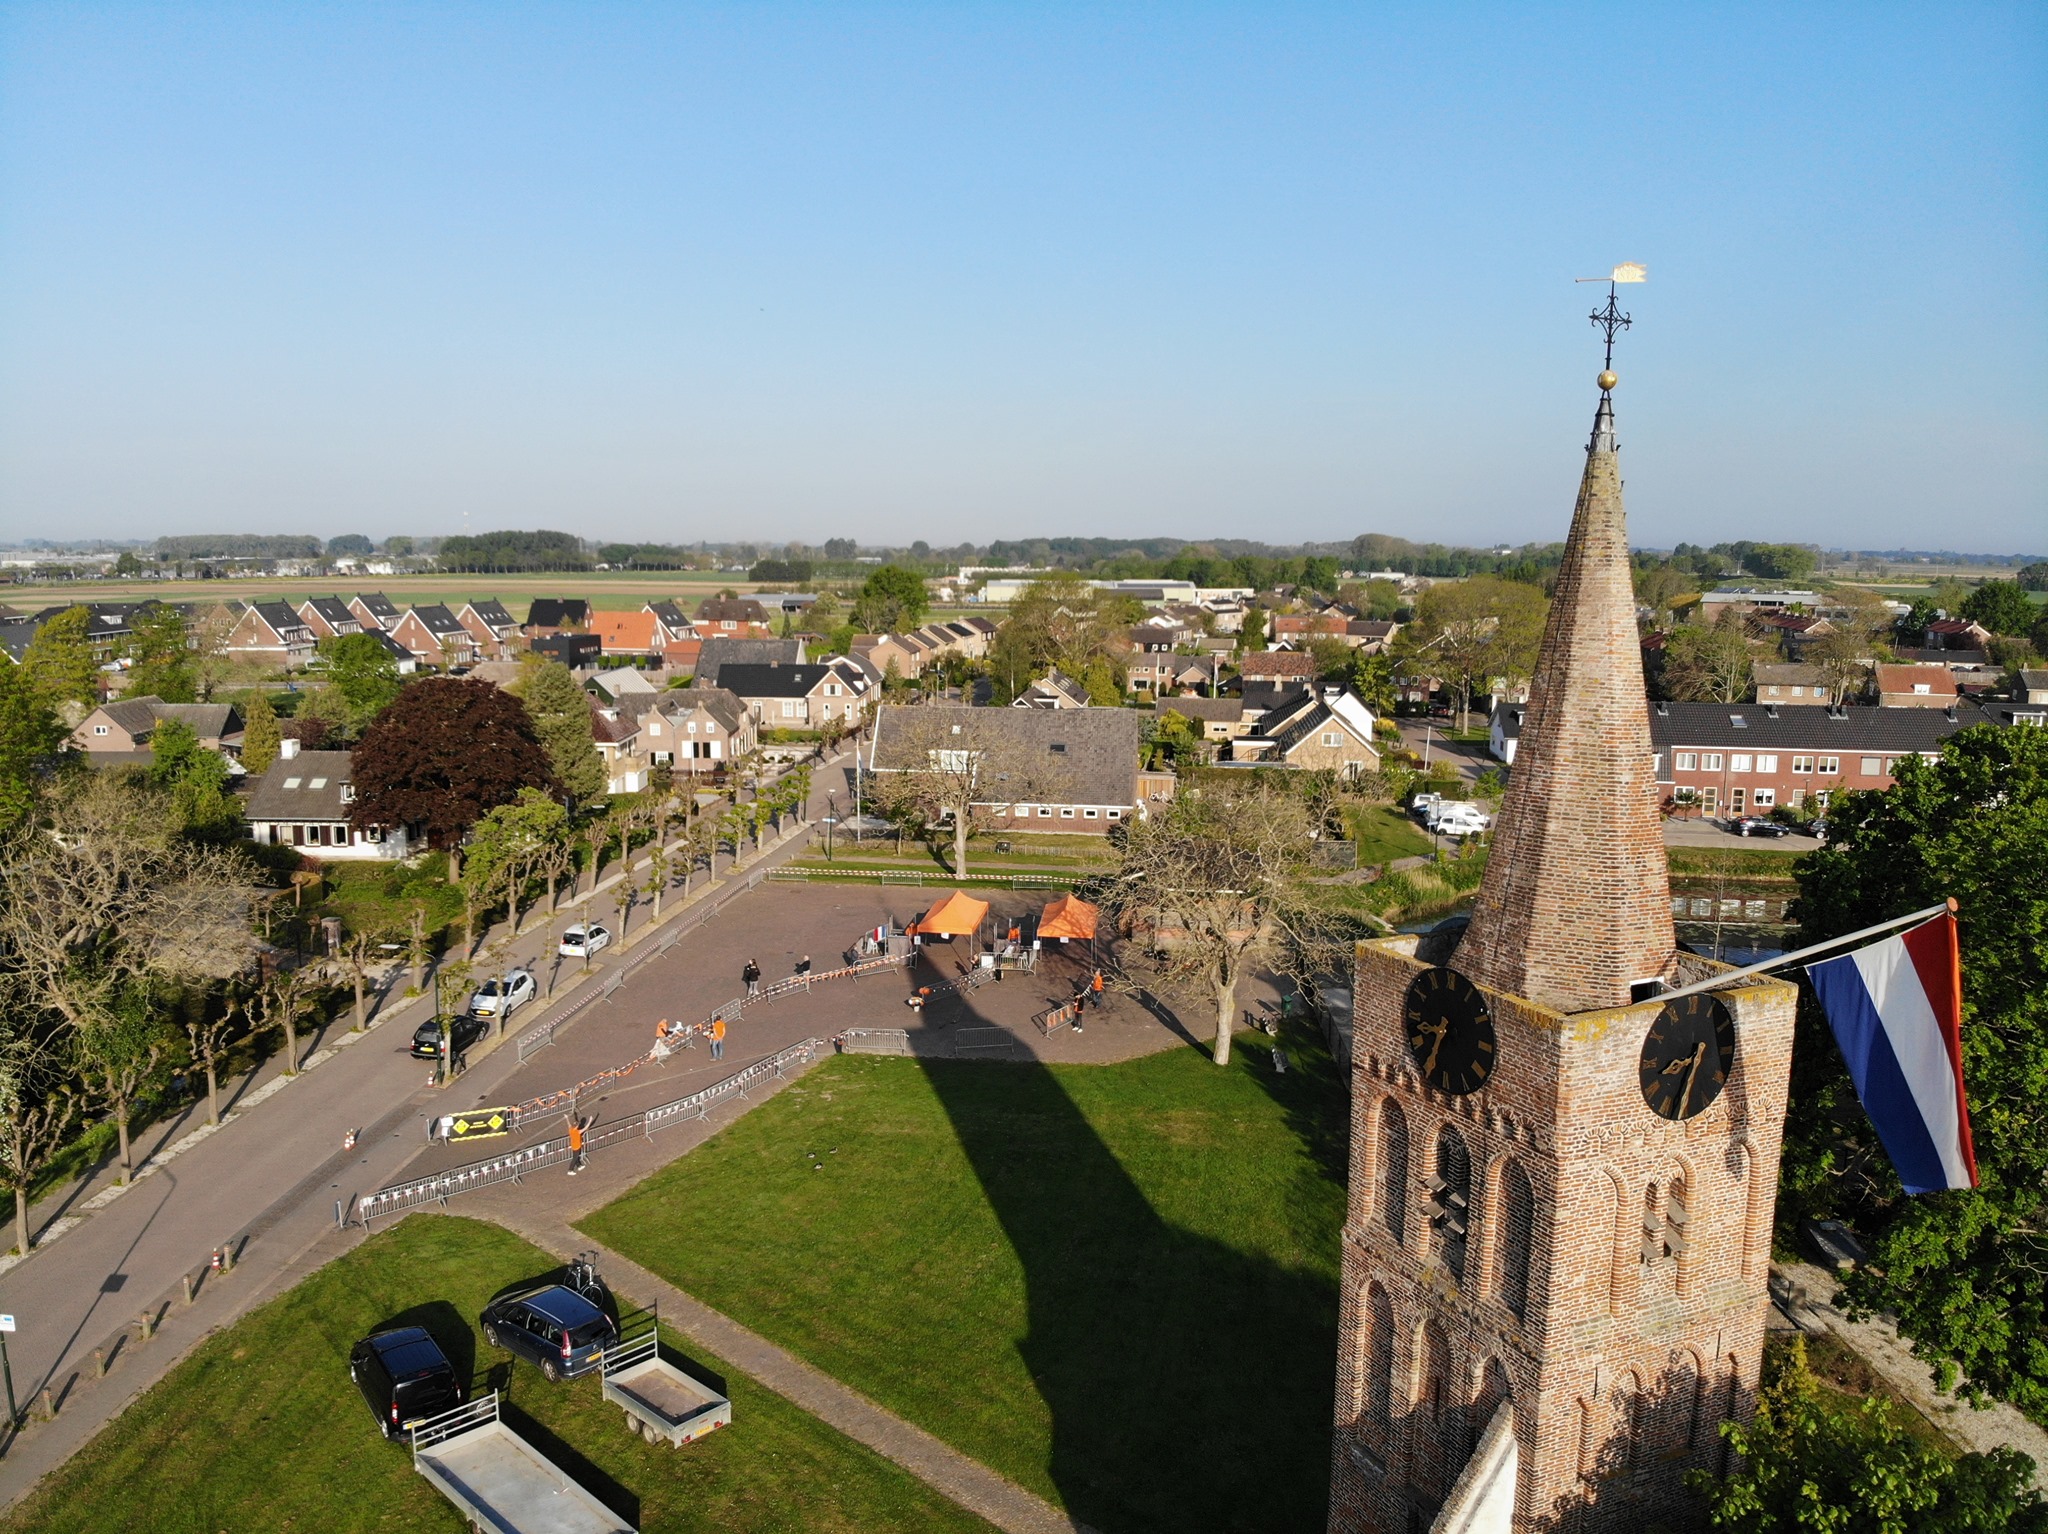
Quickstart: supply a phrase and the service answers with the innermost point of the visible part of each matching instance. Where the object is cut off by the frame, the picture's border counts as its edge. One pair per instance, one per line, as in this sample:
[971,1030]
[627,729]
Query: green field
[1383,833]
[1115,1284]
[260,1428]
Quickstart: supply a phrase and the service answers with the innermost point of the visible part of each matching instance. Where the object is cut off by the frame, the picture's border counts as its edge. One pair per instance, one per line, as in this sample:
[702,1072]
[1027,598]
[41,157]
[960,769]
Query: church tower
[1557,1242]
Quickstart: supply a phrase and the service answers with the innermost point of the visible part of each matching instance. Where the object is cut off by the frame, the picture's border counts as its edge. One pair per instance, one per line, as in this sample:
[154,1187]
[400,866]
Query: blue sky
[977,271]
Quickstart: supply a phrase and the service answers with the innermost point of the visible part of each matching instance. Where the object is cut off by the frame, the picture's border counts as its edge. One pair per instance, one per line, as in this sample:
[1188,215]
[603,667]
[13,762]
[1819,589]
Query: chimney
[288,747]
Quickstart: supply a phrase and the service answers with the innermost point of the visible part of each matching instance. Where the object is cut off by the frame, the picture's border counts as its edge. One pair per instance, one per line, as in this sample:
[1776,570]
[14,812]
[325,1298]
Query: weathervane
[1610,318]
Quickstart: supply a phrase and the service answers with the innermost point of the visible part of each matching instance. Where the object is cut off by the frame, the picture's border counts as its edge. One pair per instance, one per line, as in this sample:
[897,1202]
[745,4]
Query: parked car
[405,1377]
[426,1039]
[553,1326]
[580,941]
[502,996]
[1425,804]
[1749,825]
[1818,828]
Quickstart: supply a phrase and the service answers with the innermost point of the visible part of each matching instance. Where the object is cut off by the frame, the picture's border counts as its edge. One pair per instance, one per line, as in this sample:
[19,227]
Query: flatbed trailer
[661,1402]
[501,1483]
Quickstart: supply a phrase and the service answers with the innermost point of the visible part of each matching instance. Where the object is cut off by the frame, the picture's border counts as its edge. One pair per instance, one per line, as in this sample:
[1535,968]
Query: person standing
[718,1038]
[803,970]
[1095,991]
[575,1146]
[752,975]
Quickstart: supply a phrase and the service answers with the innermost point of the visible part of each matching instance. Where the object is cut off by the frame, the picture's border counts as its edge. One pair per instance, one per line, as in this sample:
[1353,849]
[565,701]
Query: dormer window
[348,793]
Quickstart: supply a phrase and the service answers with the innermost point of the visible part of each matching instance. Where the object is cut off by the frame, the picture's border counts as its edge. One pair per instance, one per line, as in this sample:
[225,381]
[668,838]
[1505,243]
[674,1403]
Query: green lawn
[1115,1284]
[260,1428]
[1383,833]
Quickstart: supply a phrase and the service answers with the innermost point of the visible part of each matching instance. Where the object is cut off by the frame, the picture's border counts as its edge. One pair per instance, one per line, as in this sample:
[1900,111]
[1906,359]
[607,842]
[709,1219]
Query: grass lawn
[1384,833]
[1115,1284]
[261,1429]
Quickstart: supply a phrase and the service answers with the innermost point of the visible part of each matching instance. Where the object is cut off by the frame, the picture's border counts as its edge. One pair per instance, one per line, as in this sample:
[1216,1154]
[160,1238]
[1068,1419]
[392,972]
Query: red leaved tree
[445,753]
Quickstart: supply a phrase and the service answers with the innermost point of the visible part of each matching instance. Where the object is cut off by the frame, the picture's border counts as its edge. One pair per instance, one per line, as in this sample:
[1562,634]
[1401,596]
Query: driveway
[1709,833]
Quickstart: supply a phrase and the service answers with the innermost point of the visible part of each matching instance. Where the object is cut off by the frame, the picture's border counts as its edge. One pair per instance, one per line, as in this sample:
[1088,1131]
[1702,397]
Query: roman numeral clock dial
[1687,1056]
[1450,1032]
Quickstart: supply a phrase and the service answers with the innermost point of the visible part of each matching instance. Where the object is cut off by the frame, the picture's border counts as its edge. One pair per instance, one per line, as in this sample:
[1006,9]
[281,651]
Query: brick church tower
[1561,1188]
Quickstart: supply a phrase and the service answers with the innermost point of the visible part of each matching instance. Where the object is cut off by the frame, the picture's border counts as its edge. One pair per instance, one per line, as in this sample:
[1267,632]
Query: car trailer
[661,1403]
[500,1482]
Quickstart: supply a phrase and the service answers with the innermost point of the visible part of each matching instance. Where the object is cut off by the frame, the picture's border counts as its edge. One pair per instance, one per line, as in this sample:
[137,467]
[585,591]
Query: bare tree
[118,1057]
[209,1037]
[37,1105]
[1210,886]
[280,1002]
[950,782]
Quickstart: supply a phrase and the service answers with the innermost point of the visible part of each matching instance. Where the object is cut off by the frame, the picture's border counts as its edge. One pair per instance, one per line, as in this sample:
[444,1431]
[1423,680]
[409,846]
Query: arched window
[1493,1390]
[1451,1191]
[1677,1216]
[1653,1249]
[1433,1390]
[1516,1222]
[1379,1363]
[1392,1193]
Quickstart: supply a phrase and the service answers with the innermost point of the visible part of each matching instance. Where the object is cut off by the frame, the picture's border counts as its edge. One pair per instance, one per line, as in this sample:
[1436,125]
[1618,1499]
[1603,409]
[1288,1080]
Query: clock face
[1449,1031]
[1687,1055]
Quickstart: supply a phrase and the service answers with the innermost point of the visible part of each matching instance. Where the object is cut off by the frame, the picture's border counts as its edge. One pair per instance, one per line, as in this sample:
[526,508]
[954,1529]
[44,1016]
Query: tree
[160,660]
[197,781]
[1372,678]
[963,784]
[1812,1461]
[363,675]
[1211,885]
[516,839]
[561,719]
[349,543]
[2034,577]
[1843,659]
[892,598]
[60,663]
[120,1056]
[31,735]
[1781,561]
[1911,627]
[209,1034]
[37,1104]
[261,737]
[1474,633]
[280,1002]
[1962,1270]
[446,752]
[1708,663]
[2001,606]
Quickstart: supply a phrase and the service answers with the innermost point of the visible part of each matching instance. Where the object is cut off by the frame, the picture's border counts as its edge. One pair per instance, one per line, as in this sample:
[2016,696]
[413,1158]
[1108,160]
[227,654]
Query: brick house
[1325,731]
[714,655]
[434,637]
[616,732]
[1788,682]
[1278,666]
[1080,765]
[493,628]
[2032,686]
[1916,687]
[556,615]
[1151,664]
[734,618]
[697,729]
[329,618]
[124,729]
[1738,759]
[1957,634]
[302,800]
[884,650]
[800,697]
[271,633]
[375,611]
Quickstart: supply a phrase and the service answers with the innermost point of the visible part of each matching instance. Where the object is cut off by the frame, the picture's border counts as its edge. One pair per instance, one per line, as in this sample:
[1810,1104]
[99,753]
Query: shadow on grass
[1190,1385]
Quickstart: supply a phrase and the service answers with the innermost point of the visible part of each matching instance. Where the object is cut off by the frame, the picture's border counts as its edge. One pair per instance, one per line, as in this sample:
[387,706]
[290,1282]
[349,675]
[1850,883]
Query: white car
[503,996]
[580,942]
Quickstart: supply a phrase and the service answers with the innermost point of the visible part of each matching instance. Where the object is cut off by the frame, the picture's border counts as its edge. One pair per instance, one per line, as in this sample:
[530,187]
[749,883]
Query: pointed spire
[1576,904]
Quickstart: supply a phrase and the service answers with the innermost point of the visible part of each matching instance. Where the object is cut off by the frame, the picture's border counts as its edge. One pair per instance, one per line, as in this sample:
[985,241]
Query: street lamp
[829,822]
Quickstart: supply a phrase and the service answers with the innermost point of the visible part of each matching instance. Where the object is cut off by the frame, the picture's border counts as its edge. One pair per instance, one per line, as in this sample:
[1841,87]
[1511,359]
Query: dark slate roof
[14,637]
[557,612]
[1261,697]
[1218,710]
[723,706]
[439,620]
[494,613]
[719,653]
[135,715]
[1806,727]
[670,612]
[334,612]
[282,619]
[1290,730]
[2032,680]
[209,721]
[1074,755]
[379,605]
[737,609]
[750,681]
[304,787]
[392,647]
[1507,718]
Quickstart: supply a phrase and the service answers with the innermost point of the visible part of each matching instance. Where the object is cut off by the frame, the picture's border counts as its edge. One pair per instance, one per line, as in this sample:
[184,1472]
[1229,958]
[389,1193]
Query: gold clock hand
[1699,1053]
[1441,1030]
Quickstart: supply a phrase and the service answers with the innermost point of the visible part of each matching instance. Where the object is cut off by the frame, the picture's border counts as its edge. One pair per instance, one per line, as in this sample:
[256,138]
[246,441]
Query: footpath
[124,1281]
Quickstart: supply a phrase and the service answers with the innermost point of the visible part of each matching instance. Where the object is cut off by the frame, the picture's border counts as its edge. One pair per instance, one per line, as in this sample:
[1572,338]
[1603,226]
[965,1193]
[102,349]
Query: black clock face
[1449,1031]
[1687,1055]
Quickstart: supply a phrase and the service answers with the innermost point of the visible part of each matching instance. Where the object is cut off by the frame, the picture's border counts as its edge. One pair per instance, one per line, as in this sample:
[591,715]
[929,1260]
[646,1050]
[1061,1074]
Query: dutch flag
[1896,1009]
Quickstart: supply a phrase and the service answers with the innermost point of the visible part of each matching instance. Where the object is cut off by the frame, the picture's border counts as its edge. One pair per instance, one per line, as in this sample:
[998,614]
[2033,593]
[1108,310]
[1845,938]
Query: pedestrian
[575,1146]
[752,975]
[718,1038]
[1095,990]
[803,970]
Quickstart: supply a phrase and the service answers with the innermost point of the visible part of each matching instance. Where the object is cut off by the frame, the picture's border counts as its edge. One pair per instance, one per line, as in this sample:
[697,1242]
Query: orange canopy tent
[1068,916]
[958,915]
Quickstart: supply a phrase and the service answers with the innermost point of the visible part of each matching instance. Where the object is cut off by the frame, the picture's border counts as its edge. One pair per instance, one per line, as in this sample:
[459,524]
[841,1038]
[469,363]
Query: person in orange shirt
[1095,991]
[718,1038]
[575,1146]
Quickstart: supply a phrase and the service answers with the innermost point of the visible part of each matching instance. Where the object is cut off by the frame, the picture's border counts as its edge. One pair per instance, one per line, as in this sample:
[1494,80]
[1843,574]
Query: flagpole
[1947,906]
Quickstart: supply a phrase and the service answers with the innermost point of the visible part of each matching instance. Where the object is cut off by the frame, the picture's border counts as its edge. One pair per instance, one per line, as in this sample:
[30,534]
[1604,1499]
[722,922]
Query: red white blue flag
[1896,1008]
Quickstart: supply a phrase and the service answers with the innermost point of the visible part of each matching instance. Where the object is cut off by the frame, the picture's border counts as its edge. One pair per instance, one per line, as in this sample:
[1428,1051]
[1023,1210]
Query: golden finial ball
[1607,381]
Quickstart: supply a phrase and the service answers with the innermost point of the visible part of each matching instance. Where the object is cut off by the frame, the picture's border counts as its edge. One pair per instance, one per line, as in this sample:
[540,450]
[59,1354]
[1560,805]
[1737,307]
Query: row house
[329,618]
[802,697]
[302,801]
[1915,687]
[697,730]
[435,637]
[1220,719]
[1791,682]
[375,611]
[271,634]
[1737,759]
[616,732]
[881,651]
[968,638]
[492,626]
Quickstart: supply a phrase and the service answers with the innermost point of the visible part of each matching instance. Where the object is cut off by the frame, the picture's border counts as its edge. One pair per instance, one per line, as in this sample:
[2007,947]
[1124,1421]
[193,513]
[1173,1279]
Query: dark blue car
[552,1326]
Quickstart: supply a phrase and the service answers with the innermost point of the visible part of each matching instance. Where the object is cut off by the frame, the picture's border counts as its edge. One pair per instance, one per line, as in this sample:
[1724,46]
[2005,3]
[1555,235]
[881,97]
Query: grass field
[260,1428]
[1383,832]
[1115,1284]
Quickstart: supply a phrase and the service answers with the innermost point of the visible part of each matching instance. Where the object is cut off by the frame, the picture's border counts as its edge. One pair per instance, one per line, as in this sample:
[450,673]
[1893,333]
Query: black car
[1750,825]
[405,1377]
[554,1326]
[426,1039]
